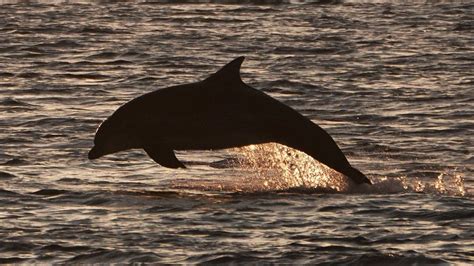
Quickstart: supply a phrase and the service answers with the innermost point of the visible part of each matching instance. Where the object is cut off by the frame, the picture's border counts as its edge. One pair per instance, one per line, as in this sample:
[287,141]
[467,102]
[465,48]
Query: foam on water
[273,167]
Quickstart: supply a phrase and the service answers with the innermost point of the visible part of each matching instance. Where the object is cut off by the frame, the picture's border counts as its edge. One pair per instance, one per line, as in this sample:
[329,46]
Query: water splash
[275,167]
[449,183]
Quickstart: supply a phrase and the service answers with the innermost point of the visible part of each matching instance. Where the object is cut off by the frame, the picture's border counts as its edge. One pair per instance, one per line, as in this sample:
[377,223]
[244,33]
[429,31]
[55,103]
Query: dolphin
[217,113]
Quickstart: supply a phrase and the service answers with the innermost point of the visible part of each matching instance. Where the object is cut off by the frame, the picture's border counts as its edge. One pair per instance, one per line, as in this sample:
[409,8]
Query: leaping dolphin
[217,113]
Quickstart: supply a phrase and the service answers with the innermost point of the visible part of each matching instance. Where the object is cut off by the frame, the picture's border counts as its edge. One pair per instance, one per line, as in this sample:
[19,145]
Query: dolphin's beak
[94,153]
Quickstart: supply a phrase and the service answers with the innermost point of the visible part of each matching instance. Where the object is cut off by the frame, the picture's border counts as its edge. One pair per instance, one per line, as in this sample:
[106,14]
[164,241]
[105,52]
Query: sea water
[392,82]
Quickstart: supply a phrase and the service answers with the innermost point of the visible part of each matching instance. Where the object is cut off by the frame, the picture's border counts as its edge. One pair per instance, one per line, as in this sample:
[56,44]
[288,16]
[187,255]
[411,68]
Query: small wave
[297,87]
[14,102]
[97,201]
[336,208]
[6,175]
[469,161]
[334,248]
[12,260]
[228,258]
[392,259]
[114,256]
[135,54]
[242,2]
[103,55]
[62,248]
[90,198]
[308,50]
[59,44]
[49,192]
[101,30]
[84,76]
[50,121]
[8,49]
[434,215]
[117,62]
[163,209]
[71,180]
[4,192]
[42,90]
[283,91]
[33,49]
[6,74]
[15,161]
[464,26]
[28,75]
[215,233]
[14,246]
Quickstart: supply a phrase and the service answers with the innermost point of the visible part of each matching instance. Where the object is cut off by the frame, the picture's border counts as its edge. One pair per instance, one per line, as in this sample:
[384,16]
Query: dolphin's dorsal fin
[230,72]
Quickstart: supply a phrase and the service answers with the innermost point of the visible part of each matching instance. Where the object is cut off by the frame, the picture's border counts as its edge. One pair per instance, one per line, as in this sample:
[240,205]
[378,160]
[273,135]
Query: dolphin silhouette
[216,113]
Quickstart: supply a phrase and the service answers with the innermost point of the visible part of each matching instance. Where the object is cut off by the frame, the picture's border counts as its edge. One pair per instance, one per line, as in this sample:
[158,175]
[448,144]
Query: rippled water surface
[392,83]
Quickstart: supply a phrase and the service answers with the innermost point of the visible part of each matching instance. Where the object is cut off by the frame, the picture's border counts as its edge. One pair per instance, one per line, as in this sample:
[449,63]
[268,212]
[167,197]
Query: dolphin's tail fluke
[356,176]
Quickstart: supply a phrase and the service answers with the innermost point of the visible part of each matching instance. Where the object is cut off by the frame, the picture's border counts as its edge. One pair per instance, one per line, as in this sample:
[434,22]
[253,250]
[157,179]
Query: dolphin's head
[111,136]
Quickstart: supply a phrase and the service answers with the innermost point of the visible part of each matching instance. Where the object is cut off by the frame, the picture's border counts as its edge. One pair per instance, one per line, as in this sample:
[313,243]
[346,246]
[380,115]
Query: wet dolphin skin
[217,113]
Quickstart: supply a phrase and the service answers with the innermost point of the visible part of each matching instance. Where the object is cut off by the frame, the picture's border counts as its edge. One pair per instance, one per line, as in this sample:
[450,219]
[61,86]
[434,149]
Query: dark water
[392,83]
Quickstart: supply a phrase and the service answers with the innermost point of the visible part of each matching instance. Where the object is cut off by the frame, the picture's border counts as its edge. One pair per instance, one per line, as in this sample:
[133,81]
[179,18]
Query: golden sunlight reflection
[273,167]
[277,167]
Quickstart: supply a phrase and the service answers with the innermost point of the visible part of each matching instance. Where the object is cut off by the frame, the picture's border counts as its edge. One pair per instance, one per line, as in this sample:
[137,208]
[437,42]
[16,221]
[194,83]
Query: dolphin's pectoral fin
[163,156]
